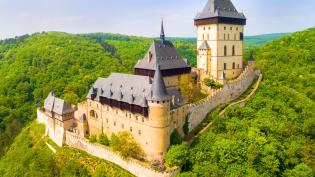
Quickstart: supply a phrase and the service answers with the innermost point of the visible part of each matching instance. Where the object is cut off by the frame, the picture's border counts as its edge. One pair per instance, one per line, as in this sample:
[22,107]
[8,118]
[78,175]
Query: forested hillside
[274,134]
[259,40]
[260,134]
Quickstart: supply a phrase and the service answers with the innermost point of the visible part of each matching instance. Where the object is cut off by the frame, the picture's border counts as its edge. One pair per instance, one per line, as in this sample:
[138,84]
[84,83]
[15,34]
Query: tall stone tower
[159,107]
[220,34]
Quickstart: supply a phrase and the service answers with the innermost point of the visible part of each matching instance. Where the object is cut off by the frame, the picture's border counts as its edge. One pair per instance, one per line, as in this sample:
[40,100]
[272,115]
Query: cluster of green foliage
[212,84]
[274,134]
[125,145]
[29,156]
[177,155]
[103,139]
[93,139]
[175,138]
[189,89]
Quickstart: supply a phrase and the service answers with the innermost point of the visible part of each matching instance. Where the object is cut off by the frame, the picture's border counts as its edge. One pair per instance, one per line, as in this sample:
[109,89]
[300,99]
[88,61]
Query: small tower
[159,102]
[251,62]
[83,126]
[204,57]
[221,26]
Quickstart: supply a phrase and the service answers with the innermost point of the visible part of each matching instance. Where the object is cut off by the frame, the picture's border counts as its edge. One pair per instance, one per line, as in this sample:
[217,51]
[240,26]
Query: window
[131,129]
[93,114]
[203,37]
[233,50]
[224,66]
[139,132]
[114,123]
[204,28]
[233,65]
[236,28]
[142,119]
[209,28]
[225,28]
[225,51]
[234,37]
[231,28]
[241,36]
[228,36]
[238,66]
[224,36]
[122,126]
[208,37]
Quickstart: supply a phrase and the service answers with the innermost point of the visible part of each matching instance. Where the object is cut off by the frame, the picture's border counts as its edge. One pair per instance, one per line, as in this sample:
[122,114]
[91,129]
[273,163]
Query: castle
[149,103]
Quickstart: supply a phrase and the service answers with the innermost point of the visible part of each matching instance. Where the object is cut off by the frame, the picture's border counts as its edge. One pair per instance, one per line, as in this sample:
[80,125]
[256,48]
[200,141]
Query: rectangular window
[241,36]
[233,66]
[139,132]
[131,129]
[225,66]
[122,126]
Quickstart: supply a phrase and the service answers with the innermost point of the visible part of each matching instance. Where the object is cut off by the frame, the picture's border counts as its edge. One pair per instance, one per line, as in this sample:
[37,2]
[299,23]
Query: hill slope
[259,40]
[274,134]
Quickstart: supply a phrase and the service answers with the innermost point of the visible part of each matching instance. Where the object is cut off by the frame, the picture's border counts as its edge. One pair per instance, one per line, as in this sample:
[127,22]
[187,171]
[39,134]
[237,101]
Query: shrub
[125,145]
[186,126]
[176,138]
[102,139]
[211,83]
[177,155]
[92,139]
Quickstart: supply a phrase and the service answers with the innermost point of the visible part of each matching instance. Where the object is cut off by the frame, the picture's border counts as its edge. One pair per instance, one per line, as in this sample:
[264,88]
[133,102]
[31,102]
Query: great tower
[220,34]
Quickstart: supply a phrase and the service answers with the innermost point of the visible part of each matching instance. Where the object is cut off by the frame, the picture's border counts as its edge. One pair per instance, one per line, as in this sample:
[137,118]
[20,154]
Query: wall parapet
[230,92]
[100,151]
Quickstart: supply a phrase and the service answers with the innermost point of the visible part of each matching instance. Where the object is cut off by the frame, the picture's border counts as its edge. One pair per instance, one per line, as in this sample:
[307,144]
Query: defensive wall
[100,151]
[231,91]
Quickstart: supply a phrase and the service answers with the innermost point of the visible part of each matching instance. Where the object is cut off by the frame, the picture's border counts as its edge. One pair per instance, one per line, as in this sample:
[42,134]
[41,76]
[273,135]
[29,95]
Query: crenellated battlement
[232,90]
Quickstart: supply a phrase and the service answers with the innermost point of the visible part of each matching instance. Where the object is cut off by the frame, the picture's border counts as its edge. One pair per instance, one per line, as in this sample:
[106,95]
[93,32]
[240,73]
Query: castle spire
[162,35]
[158,90]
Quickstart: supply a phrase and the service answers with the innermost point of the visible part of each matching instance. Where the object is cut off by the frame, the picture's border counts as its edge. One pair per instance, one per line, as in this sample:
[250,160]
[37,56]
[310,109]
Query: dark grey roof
[132,89]
[251,57]
[204,46]
[220,8]
[135,89]
[158,91]
[57,105]
[162,53]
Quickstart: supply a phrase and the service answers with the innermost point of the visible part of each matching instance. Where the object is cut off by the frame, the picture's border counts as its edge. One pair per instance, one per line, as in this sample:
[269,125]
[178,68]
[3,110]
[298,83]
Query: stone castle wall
[133,166]
[231,91]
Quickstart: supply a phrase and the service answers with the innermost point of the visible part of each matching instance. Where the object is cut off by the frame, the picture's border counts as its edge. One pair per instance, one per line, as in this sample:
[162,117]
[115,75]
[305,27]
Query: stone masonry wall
[231,91]
[102,152]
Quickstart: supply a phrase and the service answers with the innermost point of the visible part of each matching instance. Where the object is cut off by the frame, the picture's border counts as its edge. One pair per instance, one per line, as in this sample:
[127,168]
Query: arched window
[225,51]
[233,50]
[93,114]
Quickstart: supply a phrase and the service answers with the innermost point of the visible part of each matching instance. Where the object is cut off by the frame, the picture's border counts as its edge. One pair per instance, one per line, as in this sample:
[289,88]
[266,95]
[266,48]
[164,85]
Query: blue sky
[142,17]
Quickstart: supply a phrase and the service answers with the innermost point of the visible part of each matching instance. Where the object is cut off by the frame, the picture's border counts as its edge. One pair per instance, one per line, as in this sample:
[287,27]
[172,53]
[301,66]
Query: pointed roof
[158,91]
[251,57]
[162,35]
[57,105]
[219,8]
[204,46]
[162,53]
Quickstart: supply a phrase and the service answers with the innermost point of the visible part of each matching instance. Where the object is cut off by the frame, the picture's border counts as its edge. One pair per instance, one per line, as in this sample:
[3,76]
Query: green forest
[273,135]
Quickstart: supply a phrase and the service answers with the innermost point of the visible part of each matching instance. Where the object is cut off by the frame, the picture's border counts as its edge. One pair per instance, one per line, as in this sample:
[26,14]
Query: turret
[251,62]
[159,102]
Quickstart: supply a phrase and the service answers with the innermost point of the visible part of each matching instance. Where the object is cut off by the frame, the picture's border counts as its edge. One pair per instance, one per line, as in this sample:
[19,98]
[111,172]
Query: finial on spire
[162,35]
